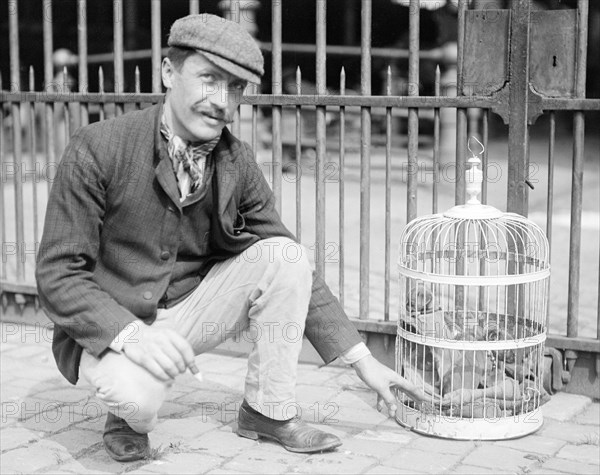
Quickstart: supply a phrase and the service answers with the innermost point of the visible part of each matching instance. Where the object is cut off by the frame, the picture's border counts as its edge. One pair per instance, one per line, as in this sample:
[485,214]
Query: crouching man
[153,228]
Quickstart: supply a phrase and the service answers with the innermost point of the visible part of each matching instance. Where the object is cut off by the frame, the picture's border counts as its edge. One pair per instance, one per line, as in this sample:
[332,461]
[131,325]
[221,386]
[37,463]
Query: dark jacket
[113,230]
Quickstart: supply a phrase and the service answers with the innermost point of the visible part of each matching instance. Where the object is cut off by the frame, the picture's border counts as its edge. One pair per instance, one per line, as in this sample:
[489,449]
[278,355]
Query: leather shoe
[123,443]
[293,434]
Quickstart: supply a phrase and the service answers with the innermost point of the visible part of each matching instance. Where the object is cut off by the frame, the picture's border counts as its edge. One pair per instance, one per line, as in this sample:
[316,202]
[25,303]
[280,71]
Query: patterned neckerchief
[189,160]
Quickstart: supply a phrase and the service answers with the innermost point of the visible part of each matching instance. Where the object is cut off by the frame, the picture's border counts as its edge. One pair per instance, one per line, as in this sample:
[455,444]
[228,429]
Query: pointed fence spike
[100,80]
[437,81]
[388,81]
[31,79]
[64,84]
[342,81]
[137,79]
[298,81]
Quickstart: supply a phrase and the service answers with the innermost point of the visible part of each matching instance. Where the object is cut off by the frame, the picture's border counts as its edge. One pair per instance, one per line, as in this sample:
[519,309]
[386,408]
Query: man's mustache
[217,114]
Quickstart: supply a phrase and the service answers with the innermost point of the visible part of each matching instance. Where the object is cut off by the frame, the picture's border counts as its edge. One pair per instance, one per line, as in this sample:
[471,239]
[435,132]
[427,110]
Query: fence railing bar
[82,47]
[461,113]
[484,156]
[577,175]
[33,151]
[49,141]
[119,75]
[321,139]
[436,143]
[13,34]
[365,159]
[388,198]
[194,7]
[298,159]
[254,123]
[65,106]
[155,19]
[378,103]
[413,113]
[437,54]
[137,80]
[277,88]
[102,113]
[550,200]
[342,192]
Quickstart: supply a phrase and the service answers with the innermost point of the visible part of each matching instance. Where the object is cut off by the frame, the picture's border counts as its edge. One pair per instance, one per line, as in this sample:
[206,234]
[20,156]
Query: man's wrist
[129,334]
[355,354]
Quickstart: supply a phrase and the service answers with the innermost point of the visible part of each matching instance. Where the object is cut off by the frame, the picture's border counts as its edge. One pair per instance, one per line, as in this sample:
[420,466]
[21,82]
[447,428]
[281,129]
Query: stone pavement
[48,426]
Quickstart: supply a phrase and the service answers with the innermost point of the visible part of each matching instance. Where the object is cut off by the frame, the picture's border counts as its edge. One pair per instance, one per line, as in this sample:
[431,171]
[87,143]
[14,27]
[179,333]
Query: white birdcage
[472,324]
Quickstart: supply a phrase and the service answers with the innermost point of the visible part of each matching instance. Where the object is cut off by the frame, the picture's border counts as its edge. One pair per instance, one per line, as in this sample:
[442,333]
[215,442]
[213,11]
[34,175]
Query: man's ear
[167,73]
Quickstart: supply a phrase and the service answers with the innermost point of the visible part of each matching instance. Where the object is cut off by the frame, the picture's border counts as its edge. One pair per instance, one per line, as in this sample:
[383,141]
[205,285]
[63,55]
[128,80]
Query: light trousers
[264,292]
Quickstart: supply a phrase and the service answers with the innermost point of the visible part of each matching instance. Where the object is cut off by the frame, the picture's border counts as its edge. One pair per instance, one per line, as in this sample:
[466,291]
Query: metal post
[518,130]
[365,158]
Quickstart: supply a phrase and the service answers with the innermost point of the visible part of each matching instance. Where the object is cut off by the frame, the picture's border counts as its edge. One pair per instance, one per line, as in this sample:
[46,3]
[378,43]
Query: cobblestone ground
[48,426]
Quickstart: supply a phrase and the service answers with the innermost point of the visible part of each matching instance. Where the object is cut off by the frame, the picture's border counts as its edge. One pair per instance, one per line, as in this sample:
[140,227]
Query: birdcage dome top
[474,241]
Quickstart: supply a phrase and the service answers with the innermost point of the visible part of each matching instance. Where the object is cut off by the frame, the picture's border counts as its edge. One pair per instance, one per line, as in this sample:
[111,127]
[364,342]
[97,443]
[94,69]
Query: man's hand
[163,352]
[380,378]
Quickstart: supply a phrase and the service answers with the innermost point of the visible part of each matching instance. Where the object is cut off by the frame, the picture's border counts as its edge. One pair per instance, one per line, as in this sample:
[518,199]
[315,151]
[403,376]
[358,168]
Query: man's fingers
[409,389]
[167,364]
[175,356]
[379,403]
[183,347]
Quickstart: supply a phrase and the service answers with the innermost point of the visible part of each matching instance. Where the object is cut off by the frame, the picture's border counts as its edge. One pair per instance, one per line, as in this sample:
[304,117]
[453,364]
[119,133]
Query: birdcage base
[488,428]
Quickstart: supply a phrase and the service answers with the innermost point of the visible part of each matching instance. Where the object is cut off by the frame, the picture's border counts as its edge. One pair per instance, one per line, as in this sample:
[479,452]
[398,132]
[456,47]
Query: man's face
[202,98]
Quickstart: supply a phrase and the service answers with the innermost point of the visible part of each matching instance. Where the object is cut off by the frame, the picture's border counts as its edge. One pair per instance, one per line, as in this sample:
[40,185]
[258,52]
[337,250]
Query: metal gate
[349,199]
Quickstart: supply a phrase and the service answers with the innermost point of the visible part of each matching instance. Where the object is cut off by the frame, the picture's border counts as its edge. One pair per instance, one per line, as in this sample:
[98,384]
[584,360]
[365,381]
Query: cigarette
[195,371]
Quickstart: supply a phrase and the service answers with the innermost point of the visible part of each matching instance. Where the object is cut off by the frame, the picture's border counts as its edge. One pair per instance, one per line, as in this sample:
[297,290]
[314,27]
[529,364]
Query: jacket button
[165,255]
[147,295]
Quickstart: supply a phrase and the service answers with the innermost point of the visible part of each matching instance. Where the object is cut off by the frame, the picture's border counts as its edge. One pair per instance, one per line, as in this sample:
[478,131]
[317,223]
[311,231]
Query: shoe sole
[251,434]
[127,458]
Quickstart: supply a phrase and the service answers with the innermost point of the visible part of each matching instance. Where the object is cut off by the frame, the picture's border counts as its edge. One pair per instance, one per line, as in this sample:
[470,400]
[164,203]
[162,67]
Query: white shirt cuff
[128,334]
[357,352]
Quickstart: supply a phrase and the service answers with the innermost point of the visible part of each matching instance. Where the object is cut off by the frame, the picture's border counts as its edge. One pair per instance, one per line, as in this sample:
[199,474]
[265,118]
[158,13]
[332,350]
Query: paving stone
[356,399]
[182,463]
[471,469]
[94,424]
[570,466]
[229,382]
[565,406]
[169,409]
[66,395]
[336,462]
[343,415]
[534,443]
[174,431]
[34,457]
[21,460]
[208,396]
[220,443]
[100,460]
[421,461]
[395,437]
[442,446]
[255,460]
[591,415]
[73,466]
[49,417]
[349,380]
[581,453]
[220,471]
[383,470]
[75,441]
[373,448]
[493,456]
[14,437]
[567,431]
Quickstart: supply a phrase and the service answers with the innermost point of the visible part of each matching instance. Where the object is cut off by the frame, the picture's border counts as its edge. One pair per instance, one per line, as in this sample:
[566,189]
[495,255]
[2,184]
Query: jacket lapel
[227,174]
[163,165]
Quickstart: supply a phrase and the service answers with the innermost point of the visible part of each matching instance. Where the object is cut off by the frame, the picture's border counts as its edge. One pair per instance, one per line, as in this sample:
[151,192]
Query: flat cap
[225,43]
